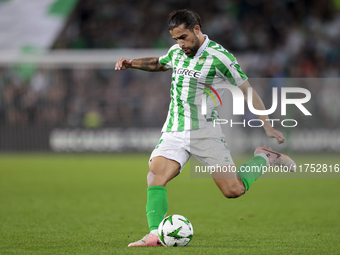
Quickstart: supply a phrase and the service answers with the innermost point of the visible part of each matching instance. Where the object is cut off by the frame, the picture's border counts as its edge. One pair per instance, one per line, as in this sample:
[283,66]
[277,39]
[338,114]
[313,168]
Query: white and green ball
[175,230]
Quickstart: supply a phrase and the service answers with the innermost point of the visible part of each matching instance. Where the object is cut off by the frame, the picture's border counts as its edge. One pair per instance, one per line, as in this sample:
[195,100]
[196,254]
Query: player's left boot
[276,158]
[148,240]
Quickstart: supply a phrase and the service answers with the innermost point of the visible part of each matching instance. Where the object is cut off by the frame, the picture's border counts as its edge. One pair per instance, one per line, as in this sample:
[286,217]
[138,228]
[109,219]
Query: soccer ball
[175,230]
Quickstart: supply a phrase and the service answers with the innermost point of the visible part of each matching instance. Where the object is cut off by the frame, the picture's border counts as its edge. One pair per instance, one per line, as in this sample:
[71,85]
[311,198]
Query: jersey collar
[203,46]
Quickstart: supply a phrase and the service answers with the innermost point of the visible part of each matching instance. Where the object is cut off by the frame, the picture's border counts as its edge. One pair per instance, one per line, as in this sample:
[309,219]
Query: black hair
[187,17]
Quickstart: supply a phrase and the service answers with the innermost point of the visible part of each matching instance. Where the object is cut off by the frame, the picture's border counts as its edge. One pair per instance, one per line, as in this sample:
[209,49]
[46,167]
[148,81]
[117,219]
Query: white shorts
[207,144]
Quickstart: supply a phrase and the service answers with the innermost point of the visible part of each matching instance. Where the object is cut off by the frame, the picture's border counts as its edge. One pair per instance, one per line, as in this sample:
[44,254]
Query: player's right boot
[276,158]
[148,240]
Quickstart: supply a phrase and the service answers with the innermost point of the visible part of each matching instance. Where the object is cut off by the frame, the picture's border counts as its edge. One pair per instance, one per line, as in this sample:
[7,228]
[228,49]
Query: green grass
[95,204]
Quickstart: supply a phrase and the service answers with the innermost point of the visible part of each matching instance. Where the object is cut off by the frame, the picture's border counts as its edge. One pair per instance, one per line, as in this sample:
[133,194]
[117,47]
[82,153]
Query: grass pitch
[95,204]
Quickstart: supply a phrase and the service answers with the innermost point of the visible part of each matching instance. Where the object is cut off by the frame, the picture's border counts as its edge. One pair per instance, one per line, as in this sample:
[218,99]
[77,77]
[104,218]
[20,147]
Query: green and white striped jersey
[211,65]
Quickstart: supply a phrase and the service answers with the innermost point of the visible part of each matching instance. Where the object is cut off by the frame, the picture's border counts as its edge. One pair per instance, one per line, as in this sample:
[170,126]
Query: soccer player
[196,61]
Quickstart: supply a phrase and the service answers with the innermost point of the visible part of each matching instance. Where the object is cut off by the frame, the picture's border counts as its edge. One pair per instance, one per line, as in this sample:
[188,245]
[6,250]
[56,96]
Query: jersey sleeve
[229,69]
[166,60]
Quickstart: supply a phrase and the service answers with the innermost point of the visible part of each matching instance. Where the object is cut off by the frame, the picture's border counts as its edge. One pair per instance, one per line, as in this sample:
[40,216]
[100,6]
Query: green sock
[156,206]
[251,171]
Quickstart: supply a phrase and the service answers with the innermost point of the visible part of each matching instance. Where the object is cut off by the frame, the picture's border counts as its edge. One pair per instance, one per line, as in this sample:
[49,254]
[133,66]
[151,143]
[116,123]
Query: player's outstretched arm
[146,64]
[258,105]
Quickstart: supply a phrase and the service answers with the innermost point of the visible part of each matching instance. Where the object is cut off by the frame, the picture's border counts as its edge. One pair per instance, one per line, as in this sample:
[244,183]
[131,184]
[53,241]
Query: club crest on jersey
[201,61]
[187,72]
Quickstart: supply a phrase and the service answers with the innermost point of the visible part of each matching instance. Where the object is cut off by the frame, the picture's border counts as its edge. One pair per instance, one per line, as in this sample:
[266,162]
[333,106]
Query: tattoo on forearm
[149,64]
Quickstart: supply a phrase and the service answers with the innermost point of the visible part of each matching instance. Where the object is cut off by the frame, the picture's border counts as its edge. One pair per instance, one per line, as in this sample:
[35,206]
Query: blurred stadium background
[59,90]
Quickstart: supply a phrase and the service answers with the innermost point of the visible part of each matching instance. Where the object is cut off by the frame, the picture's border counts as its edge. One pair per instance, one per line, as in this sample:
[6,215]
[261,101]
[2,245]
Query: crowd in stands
[84,98]
[291,39]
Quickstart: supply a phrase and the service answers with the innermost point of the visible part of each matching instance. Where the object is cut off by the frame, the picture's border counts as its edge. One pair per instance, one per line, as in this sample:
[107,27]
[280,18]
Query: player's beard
[194,48]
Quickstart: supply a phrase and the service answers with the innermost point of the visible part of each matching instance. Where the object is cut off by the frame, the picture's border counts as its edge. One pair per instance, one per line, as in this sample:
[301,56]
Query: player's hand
[123,64]
[273,133]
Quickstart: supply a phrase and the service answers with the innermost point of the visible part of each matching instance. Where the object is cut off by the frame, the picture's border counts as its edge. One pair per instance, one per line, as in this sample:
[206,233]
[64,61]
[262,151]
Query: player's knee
[156,178]
[151,178]
[234,192]
[161,171]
